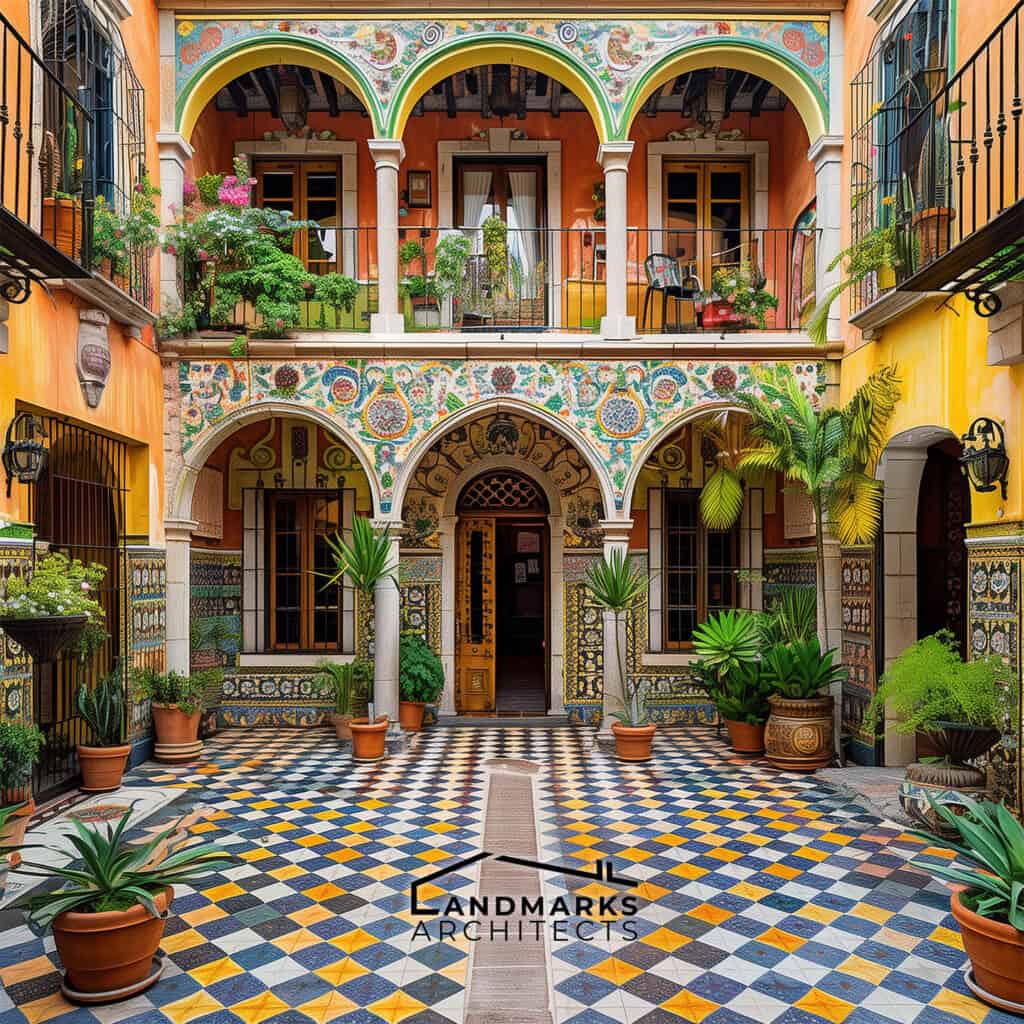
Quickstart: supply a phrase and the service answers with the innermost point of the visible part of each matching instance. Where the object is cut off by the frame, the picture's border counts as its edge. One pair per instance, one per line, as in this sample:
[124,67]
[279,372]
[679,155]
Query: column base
[618,328]
[605,739]
[387,323]
[396,740]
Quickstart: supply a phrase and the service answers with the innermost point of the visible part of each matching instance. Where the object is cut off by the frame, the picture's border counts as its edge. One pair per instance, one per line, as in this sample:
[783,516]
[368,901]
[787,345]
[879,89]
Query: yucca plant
[743,695]
[791,618]
[366,561]
[102,708]
[800,671]
[615,585]
[726,641]
[992,844]
[116,875]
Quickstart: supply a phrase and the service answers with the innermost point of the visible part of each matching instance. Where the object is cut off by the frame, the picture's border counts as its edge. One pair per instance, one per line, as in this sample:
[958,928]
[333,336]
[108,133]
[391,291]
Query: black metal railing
[721,280]
[46,187]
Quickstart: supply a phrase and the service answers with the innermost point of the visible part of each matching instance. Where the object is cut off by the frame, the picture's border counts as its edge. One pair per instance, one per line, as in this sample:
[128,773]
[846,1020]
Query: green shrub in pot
[420,679]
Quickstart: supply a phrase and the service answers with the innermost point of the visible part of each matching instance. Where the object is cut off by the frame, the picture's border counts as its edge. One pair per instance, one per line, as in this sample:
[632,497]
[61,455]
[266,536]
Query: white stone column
[613,698]
[387,618]
[178,539]
[175,152]
[826,153]
[387,157]
[614,159]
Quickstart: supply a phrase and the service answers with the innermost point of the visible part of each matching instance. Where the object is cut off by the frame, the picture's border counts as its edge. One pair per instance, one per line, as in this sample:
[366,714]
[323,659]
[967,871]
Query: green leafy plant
[239,347]
[274,281]
[170,688]
[800,671]
[343,682]
[420,672]
[102,708]
[142,224]
[616,586]
[210,684]
[721,497]
[742,695]
[929,685]
[108,237]
[337,291]
[727,641]
[992,845]
[116,875]
[20,744]
[409,251]
[745,290]
[60,586]
[419,287]
[208,187]
[6,813]
[792,617]
[366,561]
[495,239]
[450,257]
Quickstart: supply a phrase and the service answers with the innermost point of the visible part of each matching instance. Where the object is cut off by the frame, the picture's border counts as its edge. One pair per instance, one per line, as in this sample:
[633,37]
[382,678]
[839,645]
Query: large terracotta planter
[997,955]
[410,714]
[798,735]
[13,832]
[112,951]
[177,734]
[62,225]
[633,743]
[102,767]
[932,229]
[368,738]
[342,726]
[745,738]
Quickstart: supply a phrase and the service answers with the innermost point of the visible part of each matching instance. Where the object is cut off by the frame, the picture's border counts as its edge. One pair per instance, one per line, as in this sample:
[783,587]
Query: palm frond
[721,499]
[866,416]
[855,508]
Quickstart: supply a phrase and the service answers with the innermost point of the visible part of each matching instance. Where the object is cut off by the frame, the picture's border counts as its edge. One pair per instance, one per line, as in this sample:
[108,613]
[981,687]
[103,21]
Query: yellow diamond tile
[429,891]
[811,854]
[691,812]
[836,837]
[198,1004]
[433,855]
[582,826]
[292,942]
[396,1007]
[614,970]
[723,854]
[715,794]
[341,972]
[371,804]
[666,939]
[623,826]
[300,805]
[259,1008]
[634,854]
[282,826]
[588,855]
[595,890]
[871,913]
[816,913]
[575,805]
[583,840]
[311,840]
[382,871]
[749,891]
[441,827]
[783,826]
[223,892]
[183,940]
[961,1006]
[343,855]
[901,940]
[669,839]
[689,871]
[783,871]
[241,794]
[328,815]
[861,968]
[218,970]
[324,891]
[360,826]
[327,1007]
[710,914]
[731,812]
[259,853]
[203,914]
[353,941]
[311,915]
[288,871]
[689,1006]
[395,841]
[28,969]
[263,805]
[650,892]
[785,941]
[947,937]
[824,1005]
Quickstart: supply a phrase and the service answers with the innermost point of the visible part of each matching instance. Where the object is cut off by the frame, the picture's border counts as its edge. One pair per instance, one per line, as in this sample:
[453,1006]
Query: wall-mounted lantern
[24,457]
[984,461]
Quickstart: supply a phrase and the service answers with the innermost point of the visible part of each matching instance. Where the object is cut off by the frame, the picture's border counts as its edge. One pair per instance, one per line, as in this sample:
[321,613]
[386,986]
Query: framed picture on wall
[417,184]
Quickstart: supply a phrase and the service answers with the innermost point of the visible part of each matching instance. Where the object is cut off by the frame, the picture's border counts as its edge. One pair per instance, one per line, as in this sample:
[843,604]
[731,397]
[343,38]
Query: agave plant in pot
[344,681]
[102,709]
[988,901]
[616,587]
[798,736]
[176,704]
[109,915]
[742,702]
[20,744]
[420,679]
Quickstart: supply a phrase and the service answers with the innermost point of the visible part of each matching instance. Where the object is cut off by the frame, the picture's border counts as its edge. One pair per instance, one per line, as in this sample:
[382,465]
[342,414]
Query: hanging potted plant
[102,709]
[176,704]
[616,587]
[799,733]
[19,750]
[343,682]
[109,916]
[420,680]
[365,562]
[53,609]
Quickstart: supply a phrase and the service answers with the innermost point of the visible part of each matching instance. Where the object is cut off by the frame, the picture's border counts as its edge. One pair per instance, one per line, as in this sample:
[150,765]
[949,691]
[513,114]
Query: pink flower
[201,254]
[170,250]
[279,323]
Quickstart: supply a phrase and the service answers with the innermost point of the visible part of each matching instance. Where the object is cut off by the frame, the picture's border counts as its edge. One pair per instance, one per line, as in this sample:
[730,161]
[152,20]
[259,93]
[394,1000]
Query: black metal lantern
[24,457]
[984,461]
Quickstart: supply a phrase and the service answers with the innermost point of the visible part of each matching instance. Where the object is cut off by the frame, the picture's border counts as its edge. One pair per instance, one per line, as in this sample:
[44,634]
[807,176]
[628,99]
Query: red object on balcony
[718,313]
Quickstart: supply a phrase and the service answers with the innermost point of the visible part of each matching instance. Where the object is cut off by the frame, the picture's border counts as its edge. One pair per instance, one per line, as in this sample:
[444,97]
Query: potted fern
[102,709]
[344,681]
[420,679]
[617,587]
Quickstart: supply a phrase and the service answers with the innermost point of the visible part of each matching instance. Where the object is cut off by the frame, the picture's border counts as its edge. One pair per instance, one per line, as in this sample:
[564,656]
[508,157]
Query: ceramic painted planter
[410,714]
[177,734]
[745,738]
[111,951]
[633,743]
[368,738]
[798,735]
[13,832]
[102,767]
[342,726]
[997,955]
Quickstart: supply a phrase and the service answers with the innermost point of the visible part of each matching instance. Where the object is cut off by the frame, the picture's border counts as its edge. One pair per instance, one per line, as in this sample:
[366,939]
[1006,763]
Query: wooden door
[475,615]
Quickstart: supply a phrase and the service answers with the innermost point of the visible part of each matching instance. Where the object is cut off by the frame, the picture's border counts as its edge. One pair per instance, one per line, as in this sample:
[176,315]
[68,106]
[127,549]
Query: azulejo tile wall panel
[857,603]
[278,697]
[15,664]
[994,623]
[147,596]
[215,607]
[612,58]
[387,406]
[794,567]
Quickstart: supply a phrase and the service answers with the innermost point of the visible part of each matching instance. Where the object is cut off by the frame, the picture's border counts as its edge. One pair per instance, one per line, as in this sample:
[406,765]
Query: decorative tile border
[857,604]
[147,622]
[15,664]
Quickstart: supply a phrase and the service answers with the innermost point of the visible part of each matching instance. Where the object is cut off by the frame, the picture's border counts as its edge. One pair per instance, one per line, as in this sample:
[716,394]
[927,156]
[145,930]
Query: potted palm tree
[988,901]
[20,744]
[344,681]
[420,679]
[109,915]
[616,586]
[176,704]
[102,709]
[365,562]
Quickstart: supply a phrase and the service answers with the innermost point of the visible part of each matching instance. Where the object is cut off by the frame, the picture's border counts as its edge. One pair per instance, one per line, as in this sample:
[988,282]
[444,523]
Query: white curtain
[476,190]
[523,244]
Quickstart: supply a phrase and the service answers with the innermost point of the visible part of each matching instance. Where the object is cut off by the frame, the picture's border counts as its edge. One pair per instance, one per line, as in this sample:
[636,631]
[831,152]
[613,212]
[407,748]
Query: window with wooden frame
[706,215]
[700,567]
[304,614]
[311,190]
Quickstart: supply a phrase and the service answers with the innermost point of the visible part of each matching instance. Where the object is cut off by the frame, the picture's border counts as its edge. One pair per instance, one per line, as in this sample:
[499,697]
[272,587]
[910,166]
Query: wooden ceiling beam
[238,98]
[330,93]
[556,98]
[449,97]
[269,89]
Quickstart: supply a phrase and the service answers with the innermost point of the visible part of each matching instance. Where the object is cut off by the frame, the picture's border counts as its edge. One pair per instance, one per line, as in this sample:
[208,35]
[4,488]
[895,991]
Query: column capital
[614,156]
[616,531]
[174,146]
[387,152]
[826,149]
[179,529]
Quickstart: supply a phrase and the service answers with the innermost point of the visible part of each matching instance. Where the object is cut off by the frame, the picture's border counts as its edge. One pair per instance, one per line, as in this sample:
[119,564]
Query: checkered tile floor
[765,897]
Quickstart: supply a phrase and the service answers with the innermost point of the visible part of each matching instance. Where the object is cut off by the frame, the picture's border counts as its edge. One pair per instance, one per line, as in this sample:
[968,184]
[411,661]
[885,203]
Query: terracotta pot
[996,951]
[13,833]
[368,738]
[932,229]
[102,767]
[633,743]
[177,734]
[62,225]
[341,725]
[410,714]
[798,735]
[745,738]
[110,951]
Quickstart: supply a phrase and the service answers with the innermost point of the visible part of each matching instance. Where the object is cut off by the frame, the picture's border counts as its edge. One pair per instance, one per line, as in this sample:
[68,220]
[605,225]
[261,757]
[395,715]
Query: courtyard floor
[763,896]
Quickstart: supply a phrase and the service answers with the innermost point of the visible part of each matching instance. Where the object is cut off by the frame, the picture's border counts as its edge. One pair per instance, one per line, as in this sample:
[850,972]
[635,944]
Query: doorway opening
[502,597]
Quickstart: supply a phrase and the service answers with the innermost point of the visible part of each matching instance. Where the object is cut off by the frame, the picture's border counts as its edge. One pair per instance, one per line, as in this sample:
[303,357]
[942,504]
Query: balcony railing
[957,178]
[45,172]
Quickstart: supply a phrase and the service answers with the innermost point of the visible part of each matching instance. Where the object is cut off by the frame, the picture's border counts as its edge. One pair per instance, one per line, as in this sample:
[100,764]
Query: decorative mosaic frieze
[147,622]
[857,607]
[15,664]
[794,567]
